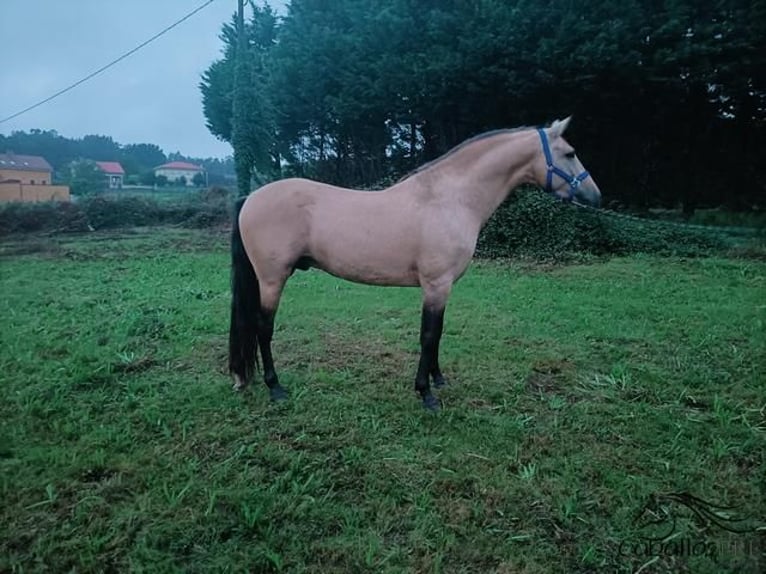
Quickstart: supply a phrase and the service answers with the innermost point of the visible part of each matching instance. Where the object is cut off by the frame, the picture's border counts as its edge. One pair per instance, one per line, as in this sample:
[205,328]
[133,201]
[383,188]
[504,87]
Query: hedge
[201,209]
[532,224]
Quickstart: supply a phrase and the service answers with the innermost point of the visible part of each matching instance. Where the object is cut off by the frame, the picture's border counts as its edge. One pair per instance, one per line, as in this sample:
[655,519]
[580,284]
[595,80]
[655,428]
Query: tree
[249,127]
[198,180]
[142,157]
[668,97]
[99,148]
[60,151]
[148,178]
[85,178]
[217,87]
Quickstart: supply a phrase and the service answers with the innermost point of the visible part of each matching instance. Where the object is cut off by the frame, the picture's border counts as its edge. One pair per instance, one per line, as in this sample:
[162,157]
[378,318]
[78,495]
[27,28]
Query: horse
[419,232]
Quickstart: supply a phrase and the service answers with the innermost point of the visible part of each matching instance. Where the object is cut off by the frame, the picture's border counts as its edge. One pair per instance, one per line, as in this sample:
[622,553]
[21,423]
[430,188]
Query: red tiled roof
[111,167]
[24,162]
[180,165]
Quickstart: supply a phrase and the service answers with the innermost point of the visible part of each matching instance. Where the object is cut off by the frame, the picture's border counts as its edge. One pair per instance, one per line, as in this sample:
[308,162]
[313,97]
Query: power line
[107,66]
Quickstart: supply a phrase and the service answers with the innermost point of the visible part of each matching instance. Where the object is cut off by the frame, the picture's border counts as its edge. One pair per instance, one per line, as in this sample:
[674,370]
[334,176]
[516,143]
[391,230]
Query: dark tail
[245,307]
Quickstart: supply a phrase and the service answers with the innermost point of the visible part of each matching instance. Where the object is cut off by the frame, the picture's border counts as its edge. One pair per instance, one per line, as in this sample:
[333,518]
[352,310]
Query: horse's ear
[559,127]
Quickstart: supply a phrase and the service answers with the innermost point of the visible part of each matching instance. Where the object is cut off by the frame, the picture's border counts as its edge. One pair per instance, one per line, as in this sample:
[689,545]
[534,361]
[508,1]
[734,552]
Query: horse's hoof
[431,403]
[239,384]
[440,382]
[277,394]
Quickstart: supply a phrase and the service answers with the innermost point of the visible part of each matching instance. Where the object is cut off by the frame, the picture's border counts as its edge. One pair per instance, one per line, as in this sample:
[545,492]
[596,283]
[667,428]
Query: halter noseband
[574,181]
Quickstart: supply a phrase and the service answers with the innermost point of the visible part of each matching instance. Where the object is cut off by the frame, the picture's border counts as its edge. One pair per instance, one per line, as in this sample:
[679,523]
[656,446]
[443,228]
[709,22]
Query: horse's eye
[570,155]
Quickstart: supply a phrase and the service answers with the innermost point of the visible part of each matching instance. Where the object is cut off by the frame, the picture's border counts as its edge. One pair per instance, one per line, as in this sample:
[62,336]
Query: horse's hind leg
[270,294]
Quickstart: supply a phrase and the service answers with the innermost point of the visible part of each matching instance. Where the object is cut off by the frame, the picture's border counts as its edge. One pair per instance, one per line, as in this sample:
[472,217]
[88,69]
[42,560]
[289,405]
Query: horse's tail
[245,307]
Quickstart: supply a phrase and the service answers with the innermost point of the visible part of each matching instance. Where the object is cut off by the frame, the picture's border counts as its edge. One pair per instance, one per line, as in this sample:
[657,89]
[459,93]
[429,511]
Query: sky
[151,97]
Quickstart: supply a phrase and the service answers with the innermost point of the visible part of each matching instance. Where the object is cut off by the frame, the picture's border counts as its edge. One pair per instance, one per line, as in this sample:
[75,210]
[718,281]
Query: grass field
[579,396]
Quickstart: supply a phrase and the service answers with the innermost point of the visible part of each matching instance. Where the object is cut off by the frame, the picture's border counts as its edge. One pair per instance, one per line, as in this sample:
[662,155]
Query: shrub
[51,216]
[108,213]
[532,224]
[202,209]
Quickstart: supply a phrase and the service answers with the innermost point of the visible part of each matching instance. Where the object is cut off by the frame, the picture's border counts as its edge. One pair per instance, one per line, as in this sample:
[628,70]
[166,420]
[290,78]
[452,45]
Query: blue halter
[574,181]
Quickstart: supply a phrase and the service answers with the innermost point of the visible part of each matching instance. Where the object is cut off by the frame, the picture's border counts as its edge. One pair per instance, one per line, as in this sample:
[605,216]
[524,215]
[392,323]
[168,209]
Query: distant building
[113,172]
[26,169]
[175,170]
[28,178]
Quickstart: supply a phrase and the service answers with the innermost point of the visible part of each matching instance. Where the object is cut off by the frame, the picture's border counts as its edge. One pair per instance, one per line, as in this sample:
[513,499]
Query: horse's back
[365,236]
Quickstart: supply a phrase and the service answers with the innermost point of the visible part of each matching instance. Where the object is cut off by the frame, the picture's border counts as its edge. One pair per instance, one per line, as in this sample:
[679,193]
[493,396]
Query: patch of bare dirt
[547,376]
[39,246]
[373,357]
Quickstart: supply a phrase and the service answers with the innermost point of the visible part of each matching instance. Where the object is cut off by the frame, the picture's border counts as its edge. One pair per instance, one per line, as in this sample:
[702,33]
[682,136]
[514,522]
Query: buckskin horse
[420,232]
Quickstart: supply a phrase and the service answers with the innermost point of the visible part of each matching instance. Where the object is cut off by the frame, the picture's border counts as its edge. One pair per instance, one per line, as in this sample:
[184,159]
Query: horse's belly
[374,259]
[367,276]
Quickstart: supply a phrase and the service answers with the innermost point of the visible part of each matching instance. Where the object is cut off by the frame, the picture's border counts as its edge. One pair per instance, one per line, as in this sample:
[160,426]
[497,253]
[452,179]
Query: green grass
[576,393]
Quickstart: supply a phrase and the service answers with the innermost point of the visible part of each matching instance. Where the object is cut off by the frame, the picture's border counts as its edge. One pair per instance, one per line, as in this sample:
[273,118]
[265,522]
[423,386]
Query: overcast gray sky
[151,97]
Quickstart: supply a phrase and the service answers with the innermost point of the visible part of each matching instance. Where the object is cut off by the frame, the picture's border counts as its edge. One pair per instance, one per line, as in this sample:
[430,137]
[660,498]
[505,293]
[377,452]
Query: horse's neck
[478,178]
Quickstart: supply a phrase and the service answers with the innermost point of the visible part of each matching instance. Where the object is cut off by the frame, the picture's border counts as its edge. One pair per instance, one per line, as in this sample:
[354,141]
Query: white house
[175,170]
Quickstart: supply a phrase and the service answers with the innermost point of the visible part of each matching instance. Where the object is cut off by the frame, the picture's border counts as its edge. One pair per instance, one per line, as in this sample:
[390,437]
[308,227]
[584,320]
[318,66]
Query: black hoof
[431,403]
[278,394]
[440,381]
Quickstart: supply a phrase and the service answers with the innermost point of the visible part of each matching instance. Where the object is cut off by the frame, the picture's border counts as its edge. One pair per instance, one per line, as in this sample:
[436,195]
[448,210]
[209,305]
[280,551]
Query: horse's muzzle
[589,194]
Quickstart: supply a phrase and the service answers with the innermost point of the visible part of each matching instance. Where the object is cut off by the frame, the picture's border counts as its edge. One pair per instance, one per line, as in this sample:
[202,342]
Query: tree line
[71,158]
[668,96]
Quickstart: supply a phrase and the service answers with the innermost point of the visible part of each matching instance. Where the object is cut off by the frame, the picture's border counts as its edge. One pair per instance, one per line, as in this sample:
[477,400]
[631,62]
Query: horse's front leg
[431,327]
[437,377]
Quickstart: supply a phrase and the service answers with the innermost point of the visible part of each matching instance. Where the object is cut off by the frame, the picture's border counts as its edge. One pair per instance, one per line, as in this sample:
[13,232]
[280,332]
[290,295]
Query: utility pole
[240,23]
[242,162]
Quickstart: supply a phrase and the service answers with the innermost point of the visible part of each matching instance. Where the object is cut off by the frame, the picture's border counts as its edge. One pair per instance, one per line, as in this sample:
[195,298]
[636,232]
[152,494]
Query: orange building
[28,178]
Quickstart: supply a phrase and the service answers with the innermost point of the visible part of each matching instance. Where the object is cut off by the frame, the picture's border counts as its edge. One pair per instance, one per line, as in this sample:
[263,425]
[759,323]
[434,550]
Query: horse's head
[559,170]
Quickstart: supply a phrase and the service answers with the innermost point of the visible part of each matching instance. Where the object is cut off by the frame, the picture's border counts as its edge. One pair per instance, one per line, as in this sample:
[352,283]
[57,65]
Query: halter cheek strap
[574,181]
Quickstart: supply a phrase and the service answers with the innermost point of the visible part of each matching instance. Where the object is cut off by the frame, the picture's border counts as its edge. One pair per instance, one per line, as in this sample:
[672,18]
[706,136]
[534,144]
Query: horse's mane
[460,146]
